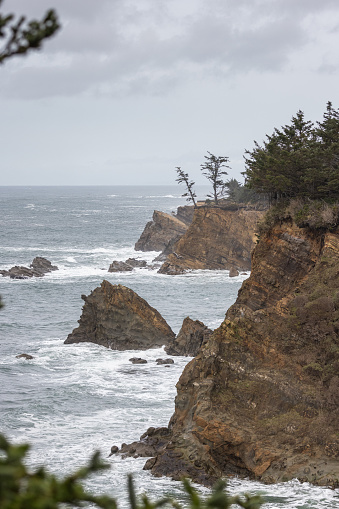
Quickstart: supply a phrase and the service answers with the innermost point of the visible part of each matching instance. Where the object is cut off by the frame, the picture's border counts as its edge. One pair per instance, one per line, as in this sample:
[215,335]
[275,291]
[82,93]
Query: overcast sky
[129,89]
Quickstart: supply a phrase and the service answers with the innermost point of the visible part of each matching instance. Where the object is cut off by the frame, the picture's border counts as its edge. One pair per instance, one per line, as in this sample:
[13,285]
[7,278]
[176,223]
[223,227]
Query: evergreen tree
[327,153]
[300,159]
[21,37]
[212,168]
[183,178]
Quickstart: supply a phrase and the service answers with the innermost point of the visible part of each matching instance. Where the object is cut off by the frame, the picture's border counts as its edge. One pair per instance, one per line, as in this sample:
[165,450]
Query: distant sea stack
[116,317]
[218,238]
[261,399]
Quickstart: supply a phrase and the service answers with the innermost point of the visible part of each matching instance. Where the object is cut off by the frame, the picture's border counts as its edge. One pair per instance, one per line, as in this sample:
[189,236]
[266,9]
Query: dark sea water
[71,400]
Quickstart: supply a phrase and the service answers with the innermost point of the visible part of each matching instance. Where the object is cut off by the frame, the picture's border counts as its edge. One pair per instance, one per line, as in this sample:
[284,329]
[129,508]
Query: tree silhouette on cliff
[298,160]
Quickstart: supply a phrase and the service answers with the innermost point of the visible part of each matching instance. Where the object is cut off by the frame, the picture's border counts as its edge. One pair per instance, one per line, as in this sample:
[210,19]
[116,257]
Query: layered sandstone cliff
[261,399]
[218,238]
[116,317]
[163,229]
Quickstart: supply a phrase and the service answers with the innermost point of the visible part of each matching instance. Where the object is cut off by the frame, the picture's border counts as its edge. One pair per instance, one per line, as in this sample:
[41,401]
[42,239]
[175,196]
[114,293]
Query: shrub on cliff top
[22,489]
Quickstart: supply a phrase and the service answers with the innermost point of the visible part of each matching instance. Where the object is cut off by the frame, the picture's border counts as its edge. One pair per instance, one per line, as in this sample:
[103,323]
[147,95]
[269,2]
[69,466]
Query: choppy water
[73,399]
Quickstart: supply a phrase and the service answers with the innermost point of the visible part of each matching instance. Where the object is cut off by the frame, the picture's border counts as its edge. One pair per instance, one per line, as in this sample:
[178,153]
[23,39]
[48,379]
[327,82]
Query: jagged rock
[38,268]
[116,317]
[218,238]
[151,442]
[117,266]
[42,266]
[185,214]
[233,272]
[261,398]
[164,361]
[191,336]
[24,356]
[159,232]
[137,360]
[133,262]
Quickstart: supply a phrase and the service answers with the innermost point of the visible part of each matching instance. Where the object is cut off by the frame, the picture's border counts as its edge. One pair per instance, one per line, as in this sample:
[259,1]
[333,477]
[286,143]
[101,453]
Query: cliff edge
[261,399]
[218,238]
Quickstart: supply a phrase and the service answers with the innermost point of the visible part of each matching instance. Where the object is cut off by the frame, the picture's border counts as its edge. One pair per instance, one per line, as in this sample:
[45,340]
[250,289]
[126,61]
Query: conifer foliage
[183,178]
[21,488]
[299,160]
[21,37]
[213,169]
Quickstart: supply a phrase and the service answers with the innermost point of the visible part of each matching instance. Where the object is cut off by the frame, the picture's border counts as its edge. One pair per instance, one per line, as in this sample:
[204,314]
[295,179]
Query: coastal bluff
[261,398]
[116,317]
[164,229]
[218,238]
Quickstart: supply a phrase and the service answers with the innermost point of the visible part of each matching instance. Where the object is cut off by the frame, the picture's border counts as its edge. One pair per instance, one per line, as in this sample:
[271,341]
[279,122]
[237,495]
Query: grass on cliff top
[305,213]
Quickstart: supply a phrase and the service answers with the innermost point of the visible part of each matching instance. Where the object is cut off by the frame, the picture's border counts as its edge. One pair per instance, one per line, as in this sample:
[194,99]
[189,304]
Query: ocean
[71,400]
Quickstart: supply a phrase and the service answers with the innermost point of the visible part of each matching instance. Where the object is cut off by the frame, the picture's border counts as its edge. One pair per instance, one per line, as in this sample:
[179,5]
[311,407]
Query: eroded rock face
[38,268]
[261,399]
[218,238]
[116,317]
[160,231]
[192,335]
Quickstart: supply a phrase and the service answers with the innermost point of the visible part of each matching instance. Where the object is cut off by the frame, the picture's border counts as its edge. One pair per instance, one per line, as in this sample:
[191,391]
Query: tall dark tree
[327,152]
[285,166]
[183,178]
[213,169]
[21,36]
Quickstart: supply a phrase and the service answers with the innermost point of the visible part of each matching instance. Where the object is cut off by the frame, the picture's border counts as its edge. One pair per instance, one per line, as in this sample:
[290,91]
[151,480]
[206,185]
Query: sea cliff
[217,238]
[261,399]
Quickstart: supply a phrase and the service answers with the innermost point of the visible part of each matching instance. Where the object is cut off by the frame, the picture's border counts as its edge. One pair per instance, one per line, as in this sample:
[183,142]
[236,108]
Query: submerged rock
[191,336]
[164,361]
[137,360]
[116,317]
[24,356]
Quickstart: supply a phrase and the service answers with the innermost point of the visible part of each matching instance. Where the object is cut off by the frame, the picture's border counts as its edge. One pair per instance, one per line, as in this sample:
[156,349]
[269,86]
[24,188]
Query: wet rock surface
[38,268]
[137,360]
[116,317]
[24,356]
[192,335]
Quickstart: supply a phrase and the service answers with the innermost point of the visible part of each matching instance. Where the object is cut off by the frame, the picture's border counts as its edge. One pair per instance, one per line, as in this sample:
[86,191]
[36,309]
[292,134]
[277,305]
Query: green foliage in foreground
[21,36]
[22,489]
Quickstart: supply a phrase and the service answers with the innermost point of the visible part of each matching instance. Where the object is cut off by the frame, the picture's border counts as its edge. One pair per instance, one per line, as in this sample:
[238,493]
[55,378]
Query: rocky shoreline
[261,398]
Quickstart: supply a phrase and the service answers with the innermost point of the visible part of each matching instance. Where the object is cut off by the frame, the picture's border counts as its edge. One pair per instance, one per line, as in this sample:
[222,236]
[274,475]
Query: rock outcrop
[192,335]
[38,268]
[261,399]
[164,228]
[218,238]
[116,317]
[127,266]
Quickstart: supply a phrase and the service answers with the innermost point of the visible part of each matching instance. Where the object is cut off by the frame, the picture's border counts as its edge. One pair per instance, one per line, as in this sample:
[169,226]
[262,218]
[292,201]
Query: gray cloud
[152,46]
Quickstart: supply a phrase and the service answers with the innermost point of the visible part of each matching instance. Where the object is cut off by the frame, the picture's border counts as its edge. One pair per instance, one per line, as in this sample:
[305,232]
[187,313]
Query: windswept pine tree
[183,178]
[213,169]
